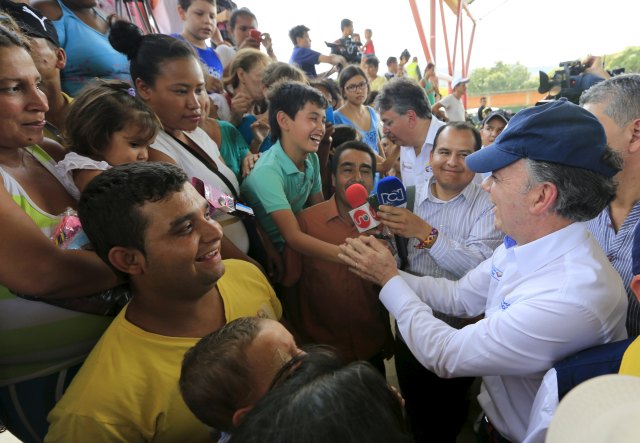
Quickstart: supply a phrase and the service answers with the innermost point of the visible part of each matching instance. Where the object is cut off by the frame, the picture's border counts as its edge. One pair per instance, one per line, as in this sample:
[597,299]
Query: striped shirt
[618,246]
[467,235]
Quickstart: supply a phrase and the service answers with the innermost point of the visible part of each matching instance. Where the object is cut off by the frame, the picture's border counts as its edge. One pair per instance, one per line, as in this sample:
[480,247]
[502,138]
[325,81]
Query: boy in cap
[452,103]
[492,127]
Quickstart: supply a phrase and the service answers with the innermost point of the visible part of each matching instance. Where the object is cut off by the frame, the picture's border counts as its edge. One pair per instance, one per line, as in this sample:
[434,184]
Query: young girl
[106,126]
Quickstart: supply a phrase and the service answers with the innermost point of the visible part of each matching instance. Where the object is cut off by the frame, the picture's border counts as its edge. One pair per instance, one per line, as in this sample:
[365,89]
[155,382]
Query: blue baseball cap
[557,132]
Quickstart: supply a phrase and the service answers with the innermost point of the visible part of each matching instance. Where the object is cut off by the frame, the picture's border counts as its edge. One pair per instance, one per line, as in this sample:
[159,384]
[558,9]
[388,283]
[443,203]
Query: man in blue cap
[548,292]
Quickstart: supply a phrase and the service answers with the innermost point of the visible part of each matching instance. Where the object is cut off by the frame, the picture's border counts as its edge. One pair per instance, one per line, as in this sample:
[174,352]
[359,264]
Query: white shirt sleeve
[525,338]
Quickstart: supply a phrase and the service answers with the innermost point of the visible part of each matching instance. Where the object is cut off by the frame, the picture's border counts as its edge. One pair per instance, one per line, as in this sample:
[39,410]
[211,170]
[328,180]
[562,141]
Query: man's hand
[370,260]
[403,222]
[249,42]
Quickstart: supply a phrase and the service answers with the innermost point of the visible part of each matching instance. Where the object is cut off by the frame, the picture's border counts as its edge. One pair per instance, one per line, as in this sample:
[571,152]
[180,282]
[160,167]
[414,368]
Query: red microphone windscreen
[356,195]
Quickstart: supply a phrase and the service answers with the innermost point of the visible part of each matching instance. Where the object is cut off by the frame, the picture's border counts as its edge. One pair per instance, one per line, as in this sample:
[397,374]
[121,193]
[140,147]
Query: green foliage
[629,58]
[501,77]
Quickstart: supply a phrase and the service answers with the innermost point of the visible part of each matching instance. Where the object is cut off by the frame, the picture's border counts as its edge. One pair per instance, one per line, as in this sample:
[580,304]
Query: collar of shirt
[288,166]
[536,254]
[424,192]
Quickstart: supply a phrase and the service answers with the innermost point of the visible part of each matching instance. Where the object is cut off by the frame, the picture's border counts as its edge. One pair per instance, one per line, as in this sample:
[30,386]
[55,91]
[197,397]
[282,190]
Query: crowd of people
[184,258]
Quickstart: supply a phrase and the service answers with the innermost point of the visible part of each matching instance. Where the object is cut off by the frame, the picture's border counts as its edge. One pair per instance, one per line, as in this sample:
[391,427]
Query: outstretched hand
[369,259]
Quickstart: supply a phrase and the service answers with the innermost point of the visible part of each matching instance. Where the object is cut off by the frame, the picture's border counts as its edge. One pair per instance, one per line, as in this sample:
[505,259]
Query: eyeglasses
[352,88]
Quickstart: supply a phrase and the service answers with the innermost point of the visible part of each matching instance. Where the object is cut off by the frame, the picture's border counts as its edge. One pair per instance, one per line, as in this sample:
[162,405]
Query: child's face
[199,19]
[127,146]
[306,130]
[305,41]
[367,34]
[356,90]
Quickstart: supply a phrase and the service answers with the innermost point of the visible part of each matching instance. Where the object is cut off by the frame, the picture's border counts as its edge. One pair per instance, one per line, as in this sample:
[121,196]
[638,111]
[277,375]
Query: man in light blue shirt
[461,212]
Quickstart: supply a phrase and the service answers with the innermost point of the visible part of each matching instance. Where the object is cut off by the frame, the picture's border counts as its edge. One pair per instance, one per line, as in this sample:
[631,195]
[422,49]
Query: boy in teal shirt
[286,178]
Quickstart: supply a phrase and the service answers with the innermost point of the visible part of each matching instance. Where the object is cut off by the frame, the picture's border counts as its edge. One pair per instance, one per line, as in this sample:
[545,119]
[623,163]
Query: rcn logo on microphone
[393,198]
[361,218]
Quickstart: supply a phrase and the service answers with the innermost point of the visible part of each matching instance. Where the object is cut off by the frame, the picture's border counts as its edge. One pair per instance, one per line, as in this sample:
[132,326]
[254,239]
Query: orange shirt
[337,307]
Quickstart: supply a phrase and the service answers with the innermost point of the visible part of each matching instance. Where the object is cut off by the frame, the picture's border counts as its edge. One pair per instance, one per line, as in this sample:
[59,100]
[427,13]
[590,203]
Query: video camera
[570,81]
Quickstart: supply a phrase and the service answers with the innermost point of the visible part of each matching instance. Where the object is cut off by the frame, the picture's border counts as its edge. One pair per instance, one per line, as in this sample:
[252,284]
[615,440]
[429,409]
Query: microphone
[363,216]
[391,192]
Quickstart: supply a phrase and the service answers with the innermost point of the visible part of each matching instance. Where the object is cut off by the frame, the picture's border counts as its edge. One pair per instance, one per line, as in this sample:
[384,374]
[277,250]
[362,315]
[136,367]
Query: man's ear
[634,145]
[635,286]
[412,118]
[127,260]
[61,58]
[544,197]
[143,89]
[238,416]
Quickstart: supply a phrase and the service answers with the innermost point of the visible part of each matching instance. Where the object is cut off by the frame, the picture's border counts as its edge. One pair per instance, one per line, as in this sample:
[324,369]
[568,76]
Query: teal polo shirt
[275,183]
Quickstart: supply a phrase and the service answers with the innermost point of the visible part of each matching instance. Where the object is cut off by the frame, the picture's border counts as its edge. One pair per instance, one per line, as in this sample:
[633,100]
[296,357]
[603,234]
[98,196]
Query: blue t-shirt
[369,137]
[89,53]
[208,57]
[306,59]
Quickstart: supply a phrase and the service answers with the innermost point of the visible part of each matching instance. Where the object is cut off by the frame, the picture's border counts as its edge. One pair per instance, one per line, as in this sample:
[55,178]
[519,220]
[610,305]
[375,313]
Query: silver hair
[403,95]
[620,95]
[582,194]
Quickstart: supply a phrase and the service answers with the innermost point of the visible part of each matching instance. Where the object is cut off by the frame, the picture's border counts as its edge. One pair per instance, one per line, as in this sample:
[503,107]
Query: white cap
[458,81]
[604,409]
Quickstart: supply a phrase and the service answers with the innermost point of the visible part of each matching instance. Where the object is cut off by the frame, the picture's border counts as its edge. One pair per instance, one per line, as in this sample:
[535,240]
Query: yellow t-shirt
[127,390]
[630,364]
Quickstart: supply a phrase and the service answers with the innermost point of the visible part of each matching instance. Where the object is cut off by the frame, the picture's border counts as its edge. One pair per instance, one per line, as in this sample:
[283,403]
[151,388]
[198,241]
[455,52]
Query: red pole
[473,33]
[446,39]
[423,40]
[432,19]
[455,43]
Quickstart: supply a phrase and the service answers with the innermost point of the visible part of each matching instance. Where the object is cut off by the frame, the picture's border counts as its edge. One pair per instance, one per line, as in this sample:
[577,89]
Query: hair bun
[126,38]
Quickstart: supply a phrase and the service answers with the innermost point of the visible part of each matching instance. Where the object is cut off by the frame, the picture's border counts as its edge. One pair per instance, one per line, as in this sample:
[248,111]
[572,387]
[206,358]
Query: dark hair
[348,73]
[245,12]
[345,23]
[356,145]
[344,133]
[184,4]
[109,207]
[320,400]
[371,98]
[279,71]
[297,32]
[102,108]
[620,95]
[460,126]
[402,95]
[372,60]
[331,88]
[146,53]
[290,97]
[391,60]
[405,54]
[215,380]
[582,194]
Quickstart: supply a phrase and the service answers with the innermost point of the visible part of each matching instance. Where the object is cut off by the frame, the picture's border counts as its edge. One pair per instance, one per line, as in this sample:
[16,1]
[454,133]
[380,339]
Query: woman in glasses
[355,89]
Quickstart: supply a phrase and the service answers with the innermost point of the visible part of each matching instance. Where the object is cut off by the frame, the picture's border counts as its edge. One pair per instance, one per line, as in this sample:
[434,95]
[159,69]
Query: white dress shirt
[542,301]
[417,169]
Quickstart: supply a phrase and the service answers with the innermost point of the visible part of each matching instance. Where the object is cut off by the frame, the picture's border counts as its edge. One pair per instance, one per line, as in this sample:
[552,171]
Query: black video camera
[570,81]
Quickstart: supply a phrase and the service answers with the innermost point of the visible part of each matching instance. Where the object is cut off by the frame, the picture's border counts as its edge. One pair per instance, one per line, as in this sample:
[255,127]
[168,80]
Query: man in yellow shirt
[154,229]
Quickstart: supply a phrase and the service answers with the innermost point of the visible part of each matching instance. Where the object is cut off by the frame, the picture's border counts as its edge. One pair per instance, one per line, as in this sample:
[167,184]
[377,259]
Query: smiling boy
[287,177]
